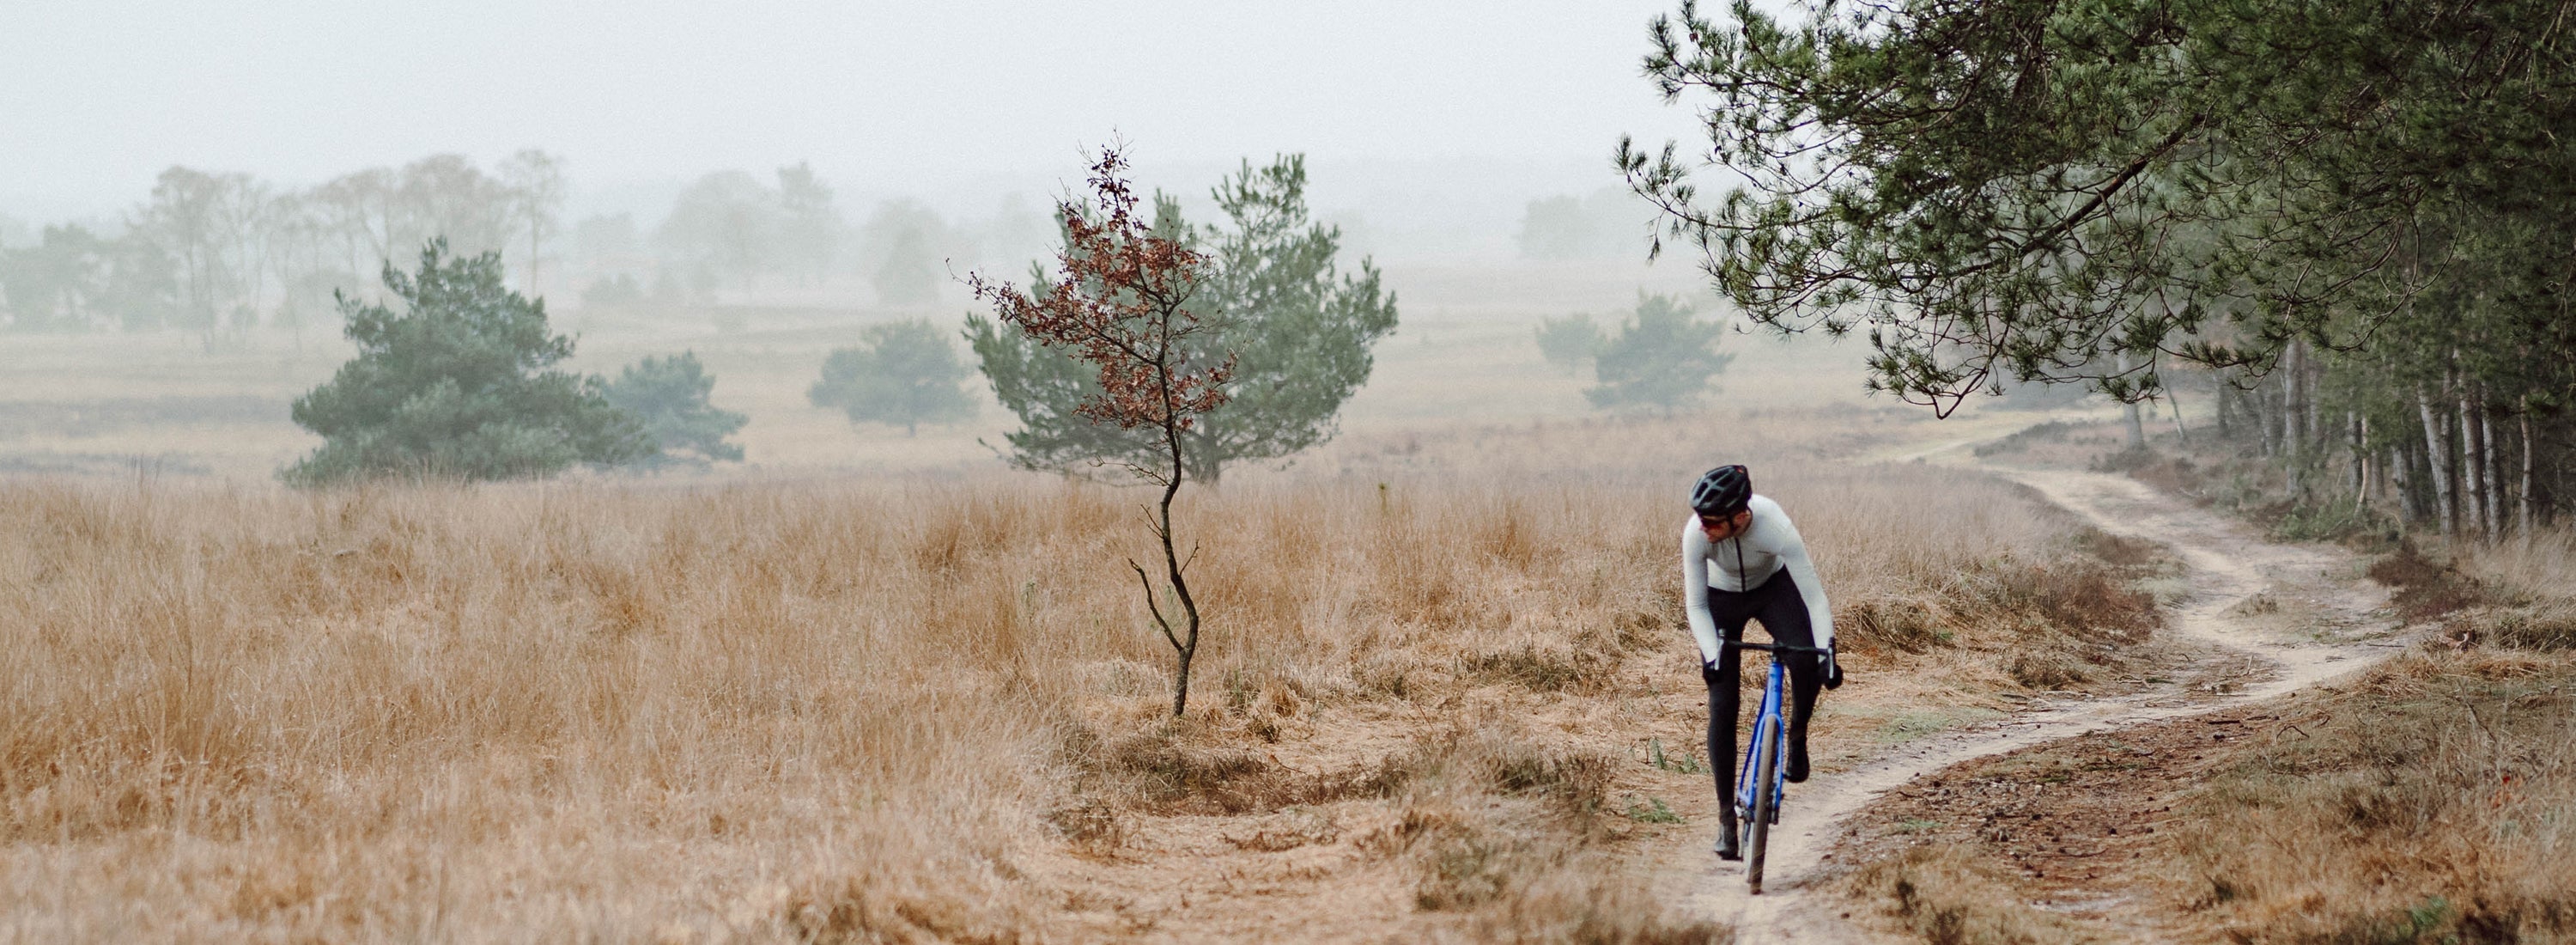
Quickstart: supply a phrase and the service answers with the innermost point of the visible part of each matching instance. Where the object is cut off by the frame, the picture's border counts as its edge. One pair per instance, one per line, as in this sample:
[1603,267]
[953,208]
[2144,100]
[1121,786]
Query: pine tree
[1662,358]
[461,383]
[902,373]
[669,396]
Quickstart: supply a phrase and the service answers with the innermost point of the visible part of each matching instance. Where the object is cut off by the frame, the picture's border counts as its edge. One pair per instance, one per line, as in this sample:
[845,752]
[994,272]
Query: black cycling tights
[1783,612]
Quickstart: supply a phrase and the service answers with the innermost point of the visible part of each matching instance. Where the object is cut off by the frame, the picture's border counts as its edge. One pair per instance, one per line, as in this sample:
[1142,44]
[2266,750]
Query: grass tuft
[1543,670]
[2425,589]
[1944,897]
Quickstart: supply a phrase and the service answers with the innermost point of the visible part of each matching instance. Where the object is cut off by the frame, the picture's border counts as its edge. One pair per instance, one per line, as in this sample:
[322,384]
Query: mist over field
[1157,471]
[757,186]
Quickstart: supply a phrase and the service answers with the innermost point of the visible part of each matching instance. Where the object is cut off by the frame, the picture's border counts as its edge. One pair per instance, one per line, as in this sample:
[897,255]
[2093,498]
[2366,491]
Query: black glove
[1833,669]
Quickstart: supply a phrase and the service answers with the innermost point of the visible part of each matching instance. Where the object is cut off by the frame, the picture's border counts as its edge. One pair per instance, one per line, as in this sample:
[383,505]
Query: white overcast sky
[97,96]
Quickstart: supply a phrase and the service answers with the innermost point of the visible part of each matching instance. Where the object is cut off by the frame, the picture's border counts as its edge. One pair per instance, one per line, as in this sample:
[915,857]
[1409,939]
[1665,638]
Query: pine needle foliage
[1999,190]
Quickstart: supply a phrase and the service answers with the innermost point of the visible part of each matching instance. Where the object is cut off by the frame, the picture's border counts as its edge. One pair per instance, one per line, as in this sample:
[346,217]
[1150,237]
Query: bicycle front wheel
[1766,799]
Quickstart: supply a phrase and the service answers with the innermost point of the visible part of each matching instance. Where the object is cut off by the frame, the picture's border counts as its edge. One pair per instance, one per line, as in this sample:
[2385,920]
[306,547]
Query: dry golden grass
[917,709]
[432,713]
[2536,566]
[2428,802]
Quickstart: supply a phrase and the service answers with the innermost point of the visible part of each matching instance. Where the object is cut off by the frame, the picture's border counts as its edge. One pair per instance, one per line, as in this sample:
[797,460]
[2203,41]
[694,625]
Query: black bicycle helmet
[1723,491]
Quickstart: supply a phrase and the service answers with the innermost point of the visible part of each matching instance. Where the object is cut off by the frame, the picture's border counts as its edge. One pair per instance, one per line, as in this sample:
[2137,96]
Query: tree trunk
[2523,507]
[2354,477]
[2472,463]
[1205,464]
[2313,372]
[2266,419]
[2437,456]
[2129,411]
[2224,397]
[2291,439]
[2493,451]
[1186,648]
[2408,509]
[2181,433]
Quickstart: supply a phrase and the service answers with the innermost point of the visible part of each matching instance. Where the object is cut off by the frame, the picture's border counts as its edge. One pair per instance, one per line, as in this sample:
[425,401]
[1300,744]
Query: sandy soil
[2261,619]
[2076,819]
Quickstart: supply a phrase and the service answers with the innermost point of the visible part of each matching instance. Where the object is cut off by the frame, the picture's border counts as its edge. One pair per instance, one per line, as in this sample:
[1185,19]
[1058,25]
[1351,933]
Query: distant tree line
[222,253]
[734,235]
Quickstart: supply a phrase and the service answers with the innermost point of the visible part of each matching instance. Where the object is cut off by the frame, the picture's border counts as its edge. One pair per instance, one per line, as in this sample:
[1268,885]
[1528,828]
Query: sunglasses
[1721,521]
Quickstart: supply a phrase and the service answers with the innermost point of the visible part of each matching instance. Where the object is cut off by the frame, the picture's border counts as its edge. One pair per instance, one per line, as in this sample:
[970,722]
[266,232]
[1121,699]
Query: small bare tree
[1121,301]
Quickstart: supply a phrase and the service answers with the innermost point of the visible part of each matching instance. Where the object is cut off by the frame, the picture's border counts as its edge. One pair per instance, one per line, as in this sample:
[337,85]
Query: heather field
[1446,694]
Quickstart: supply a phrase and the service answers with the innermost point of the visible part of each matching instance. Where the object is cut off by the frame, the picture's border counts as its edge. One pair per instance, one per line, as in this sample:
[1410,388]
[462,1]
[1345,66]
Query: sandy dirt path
[2343,629]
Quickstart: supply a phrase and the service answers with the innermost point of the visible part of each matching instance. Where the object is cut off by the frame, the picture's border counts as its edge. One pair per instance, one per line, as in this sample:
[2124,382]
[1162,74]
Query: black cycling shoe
[1726,846]
[1797,773]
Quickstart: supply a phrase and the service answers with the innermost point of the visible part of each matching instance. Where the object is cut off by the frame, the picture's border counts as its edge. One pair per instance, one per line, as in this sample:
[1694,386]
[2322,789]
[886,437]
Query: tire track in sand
[2227,563]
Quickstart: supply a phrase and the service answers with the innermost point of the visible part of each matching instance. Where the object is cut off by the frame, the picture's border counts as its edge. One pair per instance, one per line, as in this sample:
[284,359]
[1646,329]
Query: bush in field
[1608,224]
[620,290]
[461,383]
[1662,358]
[904,372]
[1569,341]
[1301,331]
[669,395]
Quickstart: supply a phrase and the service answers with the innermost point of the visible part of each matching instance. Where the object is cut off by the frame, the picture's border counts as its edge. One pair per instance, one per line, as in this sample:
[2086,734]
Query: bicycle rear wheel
[1766,799]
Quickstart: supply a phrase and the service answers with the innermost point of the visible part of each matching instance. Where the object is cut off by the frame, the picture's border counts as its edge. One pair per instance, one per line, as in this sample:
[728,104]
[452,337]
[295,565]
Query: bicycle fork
[1767,734]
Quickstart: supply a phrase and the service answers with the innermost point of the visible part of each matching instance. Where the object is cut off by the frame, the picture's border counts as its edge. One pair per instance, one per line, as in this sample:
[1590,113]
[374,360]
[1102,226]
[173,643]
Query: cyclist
[1742,560]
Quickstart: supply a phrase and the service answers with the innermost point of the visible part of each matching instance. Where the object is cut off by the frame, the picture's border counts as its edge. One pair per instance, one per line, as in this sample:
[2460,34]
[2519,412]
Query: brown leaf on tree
[1121,302]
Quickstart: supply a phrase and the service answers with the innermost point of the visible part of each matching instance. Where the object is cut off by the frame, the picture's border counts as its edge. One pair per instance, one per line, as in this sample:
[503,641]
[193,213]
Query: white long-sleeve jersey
[1769,544]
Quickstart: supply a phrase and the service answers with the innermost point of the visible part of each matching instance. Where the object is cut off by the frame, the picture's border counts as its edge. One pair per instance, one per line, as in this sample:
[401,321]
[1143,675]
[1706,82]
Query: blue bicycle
[1764,775]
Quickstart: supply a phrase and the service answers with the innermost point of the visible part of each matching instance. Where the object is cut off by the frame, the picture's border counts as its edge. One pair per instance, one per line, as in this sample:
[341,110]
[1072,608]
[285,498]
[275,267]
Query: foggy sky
[97,97]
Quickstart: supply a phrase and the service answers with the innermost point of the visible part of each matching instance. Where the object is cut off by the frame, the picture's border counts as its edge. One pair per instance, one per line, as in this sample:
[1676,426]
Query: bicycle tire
[1765,800]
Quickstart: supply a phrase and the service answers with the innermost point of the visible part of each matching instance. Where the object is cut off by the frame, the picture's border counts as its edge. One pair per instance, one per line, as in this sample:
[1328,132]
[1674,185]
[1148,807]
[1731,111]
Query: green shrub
[462,384]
